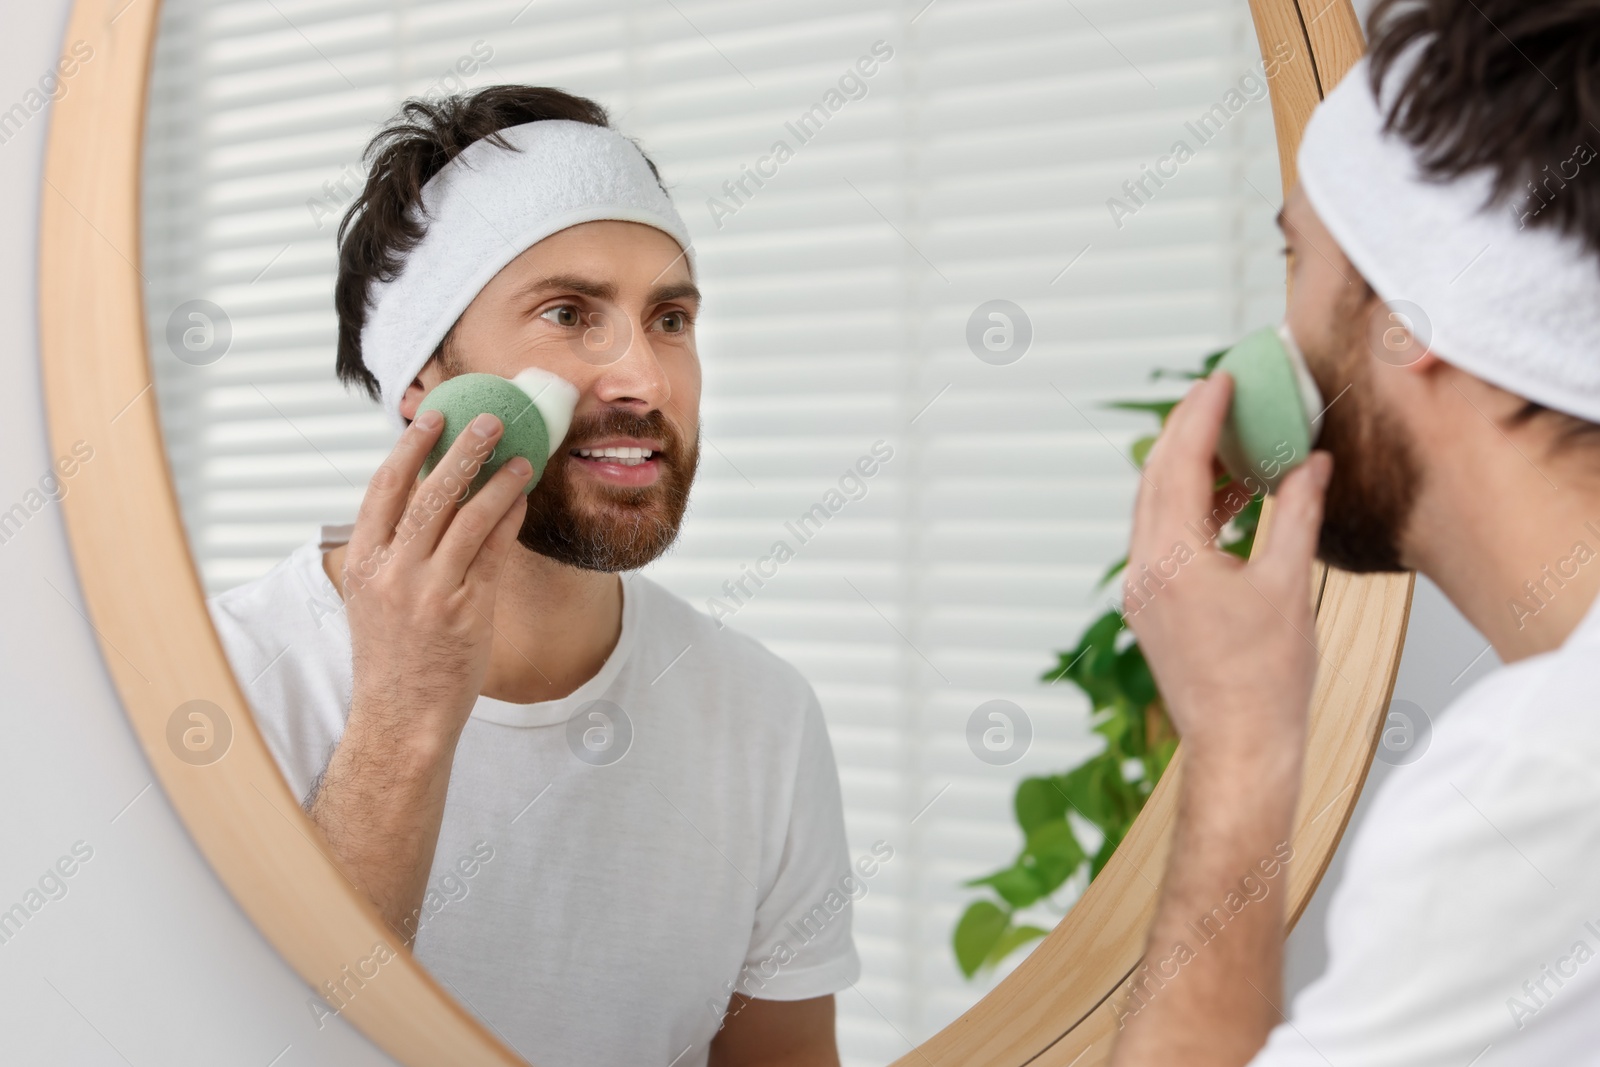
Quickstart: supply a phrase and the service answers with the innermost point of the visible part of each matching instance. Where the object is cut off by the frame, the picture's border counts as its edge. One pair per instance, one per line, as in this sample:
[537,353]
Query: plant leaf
[1133,674]
[1091,666]
[1243,528]
[1038,802]
[1017,885]
[1112,571]
[1083,789]
[1160,757]
[1013,938]
[1055,853]
[977,933]
[1207,365]
[1159,408]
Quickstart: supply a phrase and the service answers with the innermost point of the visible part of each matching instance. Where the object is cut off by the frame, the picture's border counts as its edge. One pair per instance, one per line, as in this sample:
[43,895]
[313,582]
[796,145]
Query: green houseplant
[1075,820]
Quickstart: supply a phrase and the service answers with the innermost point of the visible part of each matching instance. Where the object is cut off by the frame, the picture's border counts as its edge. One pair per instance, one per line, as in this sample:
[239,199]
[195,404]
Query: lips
[627,456]
[629,462]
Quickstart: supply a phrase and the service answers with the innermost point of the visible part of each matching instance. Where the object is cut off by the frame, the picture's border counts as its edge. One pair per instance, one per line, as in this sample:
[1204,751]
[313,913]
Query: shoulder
[1523,734]
[1510,760]
[288,644]
[286,601]
[708,645]
[1474,865]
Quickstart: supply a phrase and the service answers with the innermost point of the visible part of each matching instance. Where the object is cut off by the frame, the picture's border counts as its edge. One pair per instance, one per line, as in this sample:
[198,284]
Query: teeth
[627,457]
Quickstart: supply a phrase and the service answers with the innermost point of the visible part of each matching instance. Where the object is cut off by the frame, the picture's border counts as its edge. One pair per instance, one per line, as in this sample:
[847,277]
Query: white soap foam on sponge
[553,397]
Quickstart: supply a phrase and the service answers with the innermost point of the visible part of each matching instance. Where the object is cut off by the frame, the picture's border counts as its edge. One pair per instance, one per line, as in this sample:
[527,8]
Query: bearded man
[1444,246]
[610,827]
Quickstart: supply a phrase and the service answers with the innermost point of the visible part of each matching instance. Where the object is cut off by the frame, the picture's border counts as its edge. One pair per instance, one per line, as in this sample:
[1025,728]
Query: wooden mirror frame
[147,607]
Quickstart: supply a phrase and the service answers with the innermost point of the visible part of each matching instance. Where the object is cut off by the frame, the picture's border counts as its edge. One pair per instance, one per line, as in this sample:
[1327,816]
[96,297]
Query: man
[613,829]
[1445,266]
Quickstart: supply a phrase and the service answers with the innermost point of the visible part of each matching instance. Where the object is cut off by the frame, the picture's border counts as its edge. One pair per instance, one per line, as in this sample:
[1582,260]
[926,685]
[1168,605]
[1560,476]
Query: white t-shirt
[1476,870]
[597,912]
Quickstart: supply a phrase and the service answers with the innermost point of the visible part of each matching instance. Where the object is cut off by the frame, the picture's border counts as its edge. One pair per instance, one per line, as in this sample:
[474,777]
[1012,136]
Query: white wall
[146,960]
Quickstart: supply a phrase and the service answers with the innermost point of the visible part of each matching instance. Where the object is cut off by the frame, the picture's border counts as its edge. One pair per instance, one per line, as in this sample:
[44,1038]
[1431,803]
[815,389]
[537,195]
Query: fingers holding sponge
[1276,411]
[535,408]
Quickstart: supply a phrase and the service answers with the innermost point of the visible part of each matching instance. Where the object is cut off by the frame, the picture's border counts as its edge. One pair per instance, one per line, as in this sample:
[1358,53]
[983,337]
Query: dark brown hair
[1507,86]
[1510,87]
[379,229]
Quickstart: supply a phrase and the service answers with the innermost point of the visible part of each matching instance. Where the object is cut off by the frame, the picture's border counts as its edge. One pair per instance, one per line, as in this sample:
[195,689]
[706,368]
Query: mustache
[617,422]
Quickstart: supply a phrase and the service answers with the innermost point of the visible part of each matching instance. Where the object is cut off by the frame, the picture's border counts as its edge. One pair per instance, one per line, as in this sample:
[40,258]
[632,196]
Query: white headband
[1516,305]
[483,209]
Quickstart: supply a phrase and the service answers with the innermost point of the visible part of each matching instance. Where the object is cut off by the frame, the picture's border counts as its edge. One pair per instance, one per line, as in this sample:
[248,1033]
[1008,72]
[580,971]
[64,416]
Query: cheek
[682,369]
[1313,303]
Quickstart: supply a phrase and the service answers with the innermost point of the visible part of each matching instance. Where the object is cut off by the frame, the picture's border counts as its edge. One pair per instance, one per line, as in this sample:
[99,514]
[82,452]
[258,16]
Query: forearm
[380,806]
[776,1033]
[1216,947]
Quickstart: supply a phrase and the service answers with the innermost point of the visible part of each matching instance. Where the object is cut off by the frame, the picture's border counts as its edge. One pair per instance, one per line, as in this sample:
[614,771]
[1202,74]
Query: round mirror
[953,260]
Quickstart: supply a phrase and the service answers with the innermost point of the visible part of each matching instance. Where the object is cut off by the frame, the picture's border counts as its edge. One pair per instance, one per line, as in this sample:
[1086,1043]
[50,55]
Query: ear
[1427,363]
[1399,336]
[412,398]
[413,394]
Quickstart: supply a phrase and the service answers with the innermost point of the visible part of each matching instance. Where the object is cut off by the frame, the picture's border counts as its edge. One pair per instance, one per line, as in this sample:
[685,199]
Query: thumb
[1297,522]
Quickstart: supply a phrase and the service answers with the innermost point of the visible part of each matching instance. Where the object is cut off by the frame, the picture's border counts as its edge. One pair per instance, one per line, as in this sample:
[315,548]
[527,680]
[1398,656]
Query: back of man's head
[1507,88]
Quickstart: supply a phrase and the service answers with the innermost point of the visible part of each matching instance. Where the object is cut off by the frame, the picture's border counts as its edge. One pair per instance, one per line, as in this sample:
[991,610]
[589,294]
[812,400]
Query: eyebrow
[606,291]
[1278,218]
[571,283]
[676,291]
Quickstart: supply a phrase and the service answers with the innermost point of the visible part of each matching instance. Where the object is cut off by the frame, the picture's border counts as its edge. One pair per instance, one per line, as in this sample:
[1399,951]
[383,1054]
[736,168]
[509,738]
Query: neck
[554,625]
[1512,537]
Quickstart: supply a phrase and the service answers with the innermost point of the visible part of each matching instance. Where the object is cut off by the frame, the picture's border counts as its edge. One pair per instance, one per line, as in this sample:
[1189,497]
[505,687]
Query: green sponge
[535,407]
[1276,412]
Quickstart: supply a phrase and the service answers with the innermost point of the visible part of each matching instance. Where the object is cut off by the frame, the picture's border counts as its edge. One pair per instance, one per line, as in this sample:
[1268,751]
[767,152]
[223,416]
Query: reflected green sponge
[1276,411]
[534,406]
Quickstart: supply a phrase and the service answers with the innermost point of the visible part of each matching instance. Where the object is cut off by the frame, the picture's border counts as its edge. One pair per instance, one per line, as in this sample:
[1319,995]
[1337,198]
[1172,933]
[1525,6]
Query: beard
[1376,476]
[603,527]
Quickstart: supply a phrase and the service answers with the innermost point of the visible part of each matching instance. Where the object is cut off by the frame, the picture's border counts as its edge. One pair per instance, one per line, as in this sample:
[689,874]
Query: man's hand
[1231,643]
[420,577]
[1232,647]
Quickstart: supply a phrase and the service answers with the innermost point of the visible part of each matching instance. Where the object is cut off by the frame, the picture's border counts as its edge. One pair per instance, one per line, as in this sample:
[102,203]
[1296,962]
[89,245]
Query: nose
[629,373]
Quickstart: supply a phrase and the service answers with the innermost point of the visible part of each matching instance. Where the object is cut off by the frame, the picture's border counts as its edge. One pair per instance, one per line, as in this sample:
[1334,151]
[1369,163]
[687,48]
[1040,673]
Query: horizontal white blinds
[976,165]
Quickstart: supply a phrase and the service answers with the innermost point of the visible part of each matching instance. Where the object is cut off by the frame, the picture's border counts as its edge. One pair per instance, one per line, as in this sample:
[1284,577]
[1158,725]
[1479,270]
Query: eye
[564,315]
[674,322]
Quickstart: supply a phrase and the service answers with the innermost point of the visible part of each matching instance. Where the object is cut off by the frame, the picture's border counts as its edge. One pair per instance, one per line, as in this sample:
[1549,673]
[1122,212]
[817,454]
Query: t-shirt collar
[551,712]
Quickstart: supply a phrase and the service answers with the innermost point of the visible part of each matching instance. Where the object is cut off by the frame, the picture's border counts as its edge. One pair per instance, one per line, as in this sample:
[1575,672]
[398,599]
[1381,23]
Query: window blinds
[936,156]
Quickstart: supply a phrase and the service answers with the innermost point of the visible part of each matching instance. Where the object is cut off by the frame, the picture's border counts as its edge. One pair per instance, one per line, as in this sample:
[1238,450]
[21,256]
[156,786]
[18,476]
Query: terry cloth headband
[482,210]
[1516,305]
